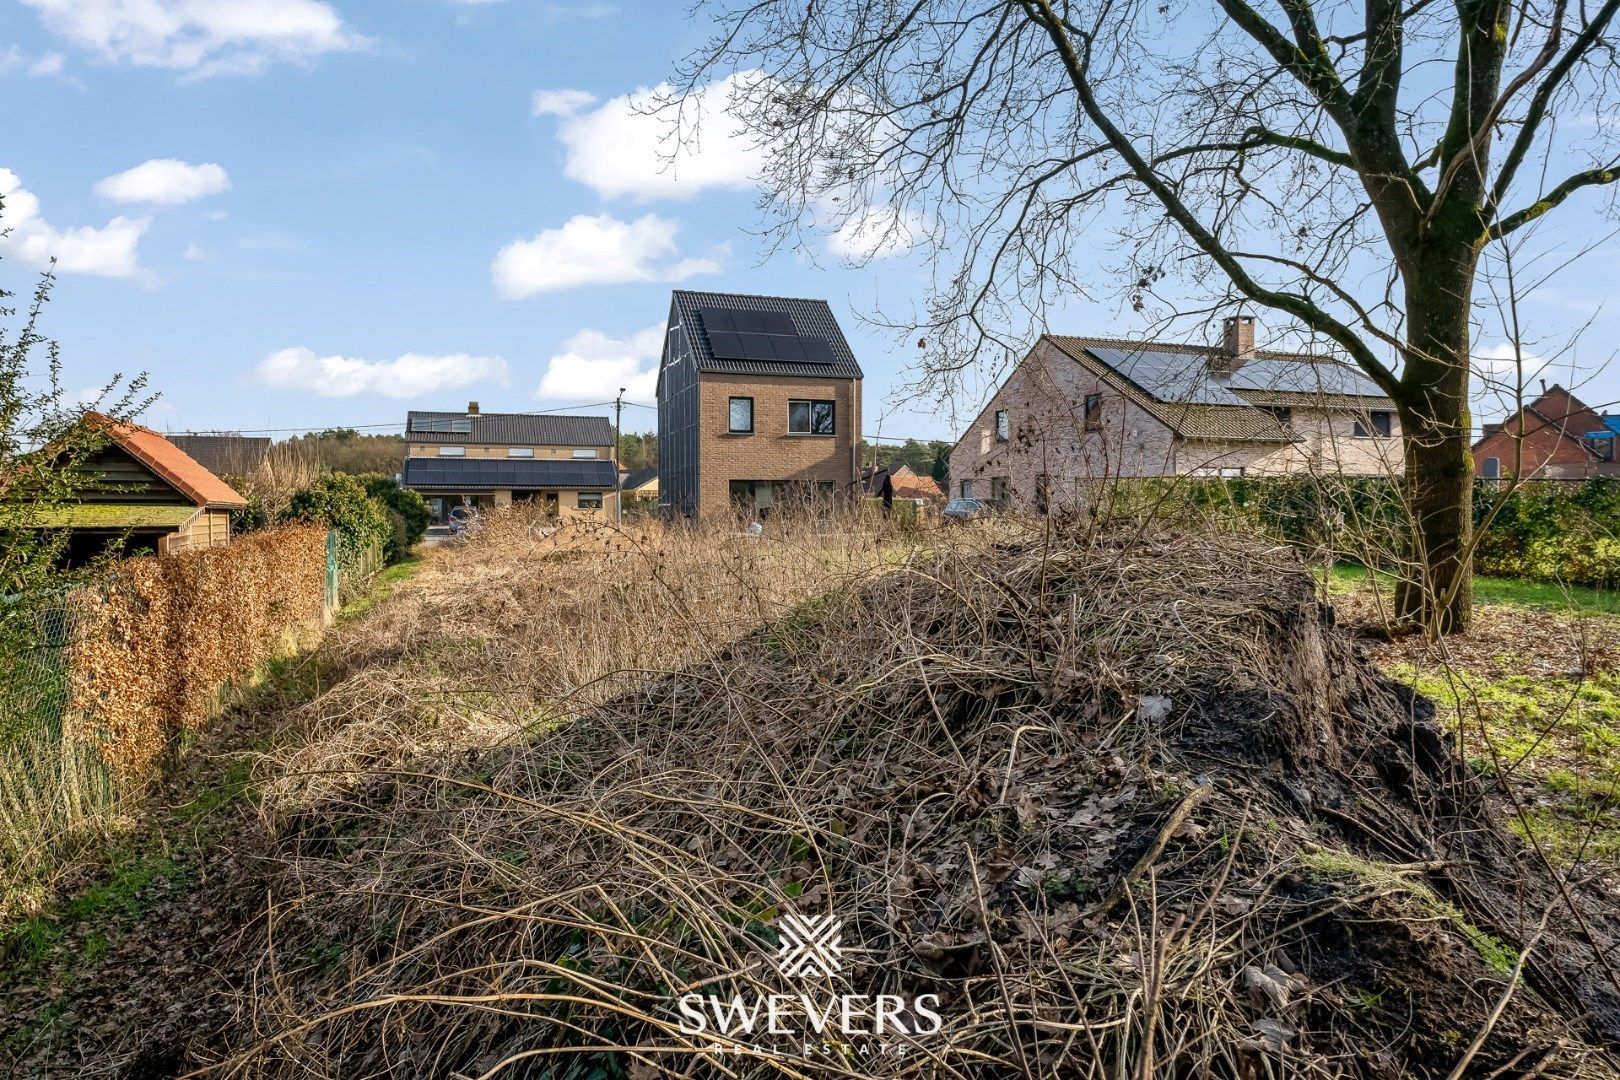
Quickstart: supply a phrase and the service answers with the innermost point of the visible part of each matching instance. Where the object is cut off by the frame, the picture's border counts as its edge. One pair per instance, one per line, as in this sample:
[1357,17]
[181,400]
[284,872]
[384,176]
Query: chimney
[472,408]
[1237,345]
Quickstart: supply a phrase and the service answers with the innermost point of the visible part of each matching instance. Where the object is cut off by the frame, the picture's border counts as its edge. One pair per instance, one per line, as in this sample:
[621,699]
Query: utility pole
[618,479]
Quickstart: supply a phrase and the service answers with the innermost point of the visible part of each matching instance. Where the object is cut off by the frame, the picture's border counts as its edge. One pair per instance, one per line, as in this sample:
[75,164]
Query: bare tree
[1345,164]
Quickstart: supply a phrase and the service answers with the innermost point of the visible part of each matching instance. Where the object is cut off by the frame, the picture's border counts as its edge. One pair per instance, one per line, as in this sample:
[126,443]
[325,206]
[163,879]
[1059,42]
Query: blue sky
[296,214]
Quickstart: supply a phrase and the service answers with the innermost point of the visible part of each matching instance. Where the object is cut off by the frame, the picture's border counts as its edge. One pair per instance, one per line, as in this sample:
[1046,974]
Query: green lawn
[1348,577]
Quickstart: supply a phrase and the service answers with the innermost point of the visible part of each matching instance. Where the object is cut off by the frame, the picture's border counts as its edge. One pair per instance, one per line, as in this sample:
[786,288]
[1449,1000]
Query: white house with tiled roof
[1078,410]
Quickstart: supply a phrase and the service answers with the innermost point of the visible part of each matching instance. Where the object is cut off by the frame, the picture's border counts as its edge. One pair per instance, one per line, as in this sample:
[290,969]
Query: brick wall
[770,452]
[1047,434]
[1533,447]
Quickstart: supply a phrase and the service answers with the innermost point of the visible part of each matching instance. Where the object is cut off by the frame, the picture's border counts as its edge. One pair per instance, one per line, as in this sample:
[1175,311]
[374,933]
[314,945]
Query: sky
[300,214]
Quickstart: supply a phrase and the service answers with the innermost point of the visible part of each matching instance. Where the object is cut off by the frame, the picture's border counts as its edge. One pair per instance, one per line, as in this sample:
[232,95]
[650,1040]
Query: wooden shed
[147,495]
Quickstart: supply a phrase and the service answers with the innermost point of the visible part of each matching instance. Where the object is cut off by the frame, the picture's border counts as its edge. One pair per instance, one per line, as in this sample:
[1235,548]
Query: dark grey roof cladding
[811,318]
[516,429]
[637,477]
[464,474]
[224,455]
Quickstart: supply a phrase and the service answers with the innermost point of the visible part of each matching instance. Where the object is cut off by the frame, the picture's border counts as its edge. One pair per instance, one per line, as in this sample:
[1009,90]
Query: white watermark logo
[811,946]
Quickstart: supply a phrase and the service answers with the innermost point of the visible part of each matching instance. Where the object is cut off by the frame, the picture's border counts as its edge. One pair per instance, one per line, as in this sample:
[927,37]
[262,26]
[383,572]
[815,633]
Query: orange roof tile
[172,464]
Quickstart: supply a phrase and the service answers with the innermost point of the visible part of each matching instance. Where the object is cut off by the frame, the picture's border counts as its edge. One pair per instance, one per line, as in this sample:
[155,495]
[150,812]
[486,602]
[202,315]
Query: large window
[589,500]
[452,451]
[1379,424]
[1093,412]
[810,418]
[740,416]
[1003,426]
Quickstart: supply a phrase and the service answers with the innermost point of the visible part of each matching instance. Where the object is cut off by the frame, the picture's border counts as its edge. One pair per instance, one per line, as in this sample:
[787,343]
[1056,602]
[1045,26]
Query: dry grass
[562,780]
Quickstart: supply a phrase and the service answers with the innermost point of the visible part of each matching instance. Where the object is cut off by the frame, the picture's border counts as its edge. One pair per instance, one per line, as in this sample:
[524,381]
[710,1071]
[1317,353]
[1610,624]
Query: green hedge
[409,512]
[1545,530]
[340,502]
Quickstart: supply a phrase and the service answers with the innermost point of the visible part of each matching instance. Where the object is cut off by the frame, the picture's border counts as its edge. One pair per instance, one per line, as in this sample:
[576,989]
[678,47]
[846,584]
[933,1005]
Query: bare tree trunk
[1436,587]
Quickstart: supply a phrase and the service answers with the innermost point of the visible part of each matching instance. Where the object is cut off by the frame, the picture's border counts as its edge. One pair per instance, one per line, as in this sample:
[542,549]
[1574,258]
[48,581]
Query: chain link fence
[50,784]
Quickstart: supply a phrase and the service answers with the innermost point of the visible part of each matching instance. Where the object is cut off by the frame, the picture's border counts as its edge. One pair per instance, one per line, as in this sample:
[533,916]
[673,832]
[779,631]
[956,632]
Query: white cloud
[592,366]
[1499,365]
[109,250]
[165,180]
[201,37]
[876,233]
[618,149]
[600,250]
[562,102]
[195,252]
[14,59]
[408,376]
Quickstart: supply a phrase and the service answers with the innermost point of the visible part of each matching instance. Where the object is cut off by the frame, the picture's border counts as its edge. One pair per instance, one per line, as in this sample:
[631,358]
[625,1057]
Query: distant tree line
[931,458]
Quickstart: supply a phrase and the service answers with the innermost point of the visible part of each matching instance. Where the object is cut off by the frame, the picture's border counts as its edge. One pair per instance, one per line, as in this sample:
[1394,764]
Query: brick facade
[1544,441]
[771,452]
[1047,435]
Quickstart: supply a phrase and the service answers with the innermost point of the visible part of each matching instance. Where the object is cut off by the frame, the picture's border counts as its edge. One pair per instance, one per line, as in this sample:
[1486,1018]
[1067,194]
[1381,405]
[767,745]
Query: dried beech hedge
[159,637]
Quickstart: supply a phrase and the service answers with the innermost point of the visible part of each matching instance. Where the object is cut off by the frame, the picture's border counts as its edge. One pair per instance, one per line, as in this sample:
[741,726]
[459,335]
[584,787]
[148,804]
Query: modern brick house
[487,460]
[759,405]
[1555,437]
[1078,410]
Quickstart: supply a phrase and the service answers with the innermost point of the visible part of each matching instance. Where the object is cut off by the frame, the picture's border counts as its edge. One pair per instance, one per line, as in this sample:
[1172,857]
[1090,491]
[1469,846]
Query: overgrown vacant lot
[1533,692]
[1129,807]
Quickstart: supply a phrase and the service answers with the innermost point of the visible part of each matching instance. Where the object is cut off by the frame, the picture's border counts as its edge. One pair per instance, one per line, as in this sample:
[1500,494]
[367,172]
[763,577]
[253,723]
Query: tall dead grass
[1070,787]
[520,627]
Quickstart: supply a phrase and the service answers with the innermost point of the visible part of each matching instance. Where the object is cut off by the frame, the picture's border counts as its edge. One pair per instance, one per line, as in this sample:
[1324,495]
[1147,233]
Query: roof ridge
[753,296]
[1089,341]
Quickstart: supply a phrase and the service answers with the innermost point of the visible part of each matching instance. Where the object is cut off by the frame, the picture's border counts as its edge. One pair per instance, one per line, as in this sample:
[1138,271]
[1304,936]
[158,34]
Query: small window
[740,416]
[1282,414]
[1093,412]
[584,451]
[1003,426]
[810,417]
[1000,490]
[452,451]
[1491,468]
[967,489]
[520,451]
[590,500]
[1377,425]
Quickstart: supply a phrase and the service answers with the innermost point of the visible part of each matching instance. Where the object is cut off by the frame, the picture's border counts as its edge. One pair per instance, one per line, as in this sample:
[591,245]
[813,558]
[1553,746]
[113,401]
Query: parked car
[965,509]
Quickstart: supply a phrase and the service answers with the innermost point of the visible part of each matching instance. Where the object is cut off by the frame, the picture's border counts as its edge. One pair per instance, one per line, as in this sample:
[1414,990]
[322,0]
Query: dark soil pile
[1134,811]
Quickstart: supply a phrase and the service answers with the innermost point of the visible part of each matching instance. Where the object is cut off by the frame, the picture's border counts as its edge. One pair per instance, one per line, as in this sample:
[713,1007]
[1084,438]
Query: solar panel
[769,336]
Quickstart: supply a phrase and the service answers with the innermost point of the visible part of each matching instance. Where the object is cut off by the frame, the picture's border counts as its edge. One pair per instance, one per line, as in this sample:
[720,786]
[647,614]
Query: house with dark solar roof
[467,461]
[759,406]
[1077,410]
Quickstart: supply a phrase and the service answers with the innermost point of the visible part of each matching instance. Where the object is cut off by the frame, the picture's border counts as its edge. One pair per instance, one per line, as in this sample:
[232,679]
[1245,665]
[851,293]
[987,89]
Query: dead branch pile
[1126,809]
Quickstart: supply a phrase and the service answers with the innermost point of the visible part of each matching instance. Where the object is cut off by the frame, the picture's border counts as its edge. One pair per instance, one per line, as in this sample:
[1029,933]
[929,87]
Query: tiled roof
[489,474]
[910,485]
[170,463]
[1174,383]
[224,455]
[640,477]
[812,318]
[514,429]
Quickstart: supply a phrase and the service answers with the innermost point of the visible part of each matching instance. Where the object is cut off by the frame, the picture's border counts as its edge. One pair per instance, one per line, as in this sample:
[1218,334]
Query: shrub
[341,503]
[410,510]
